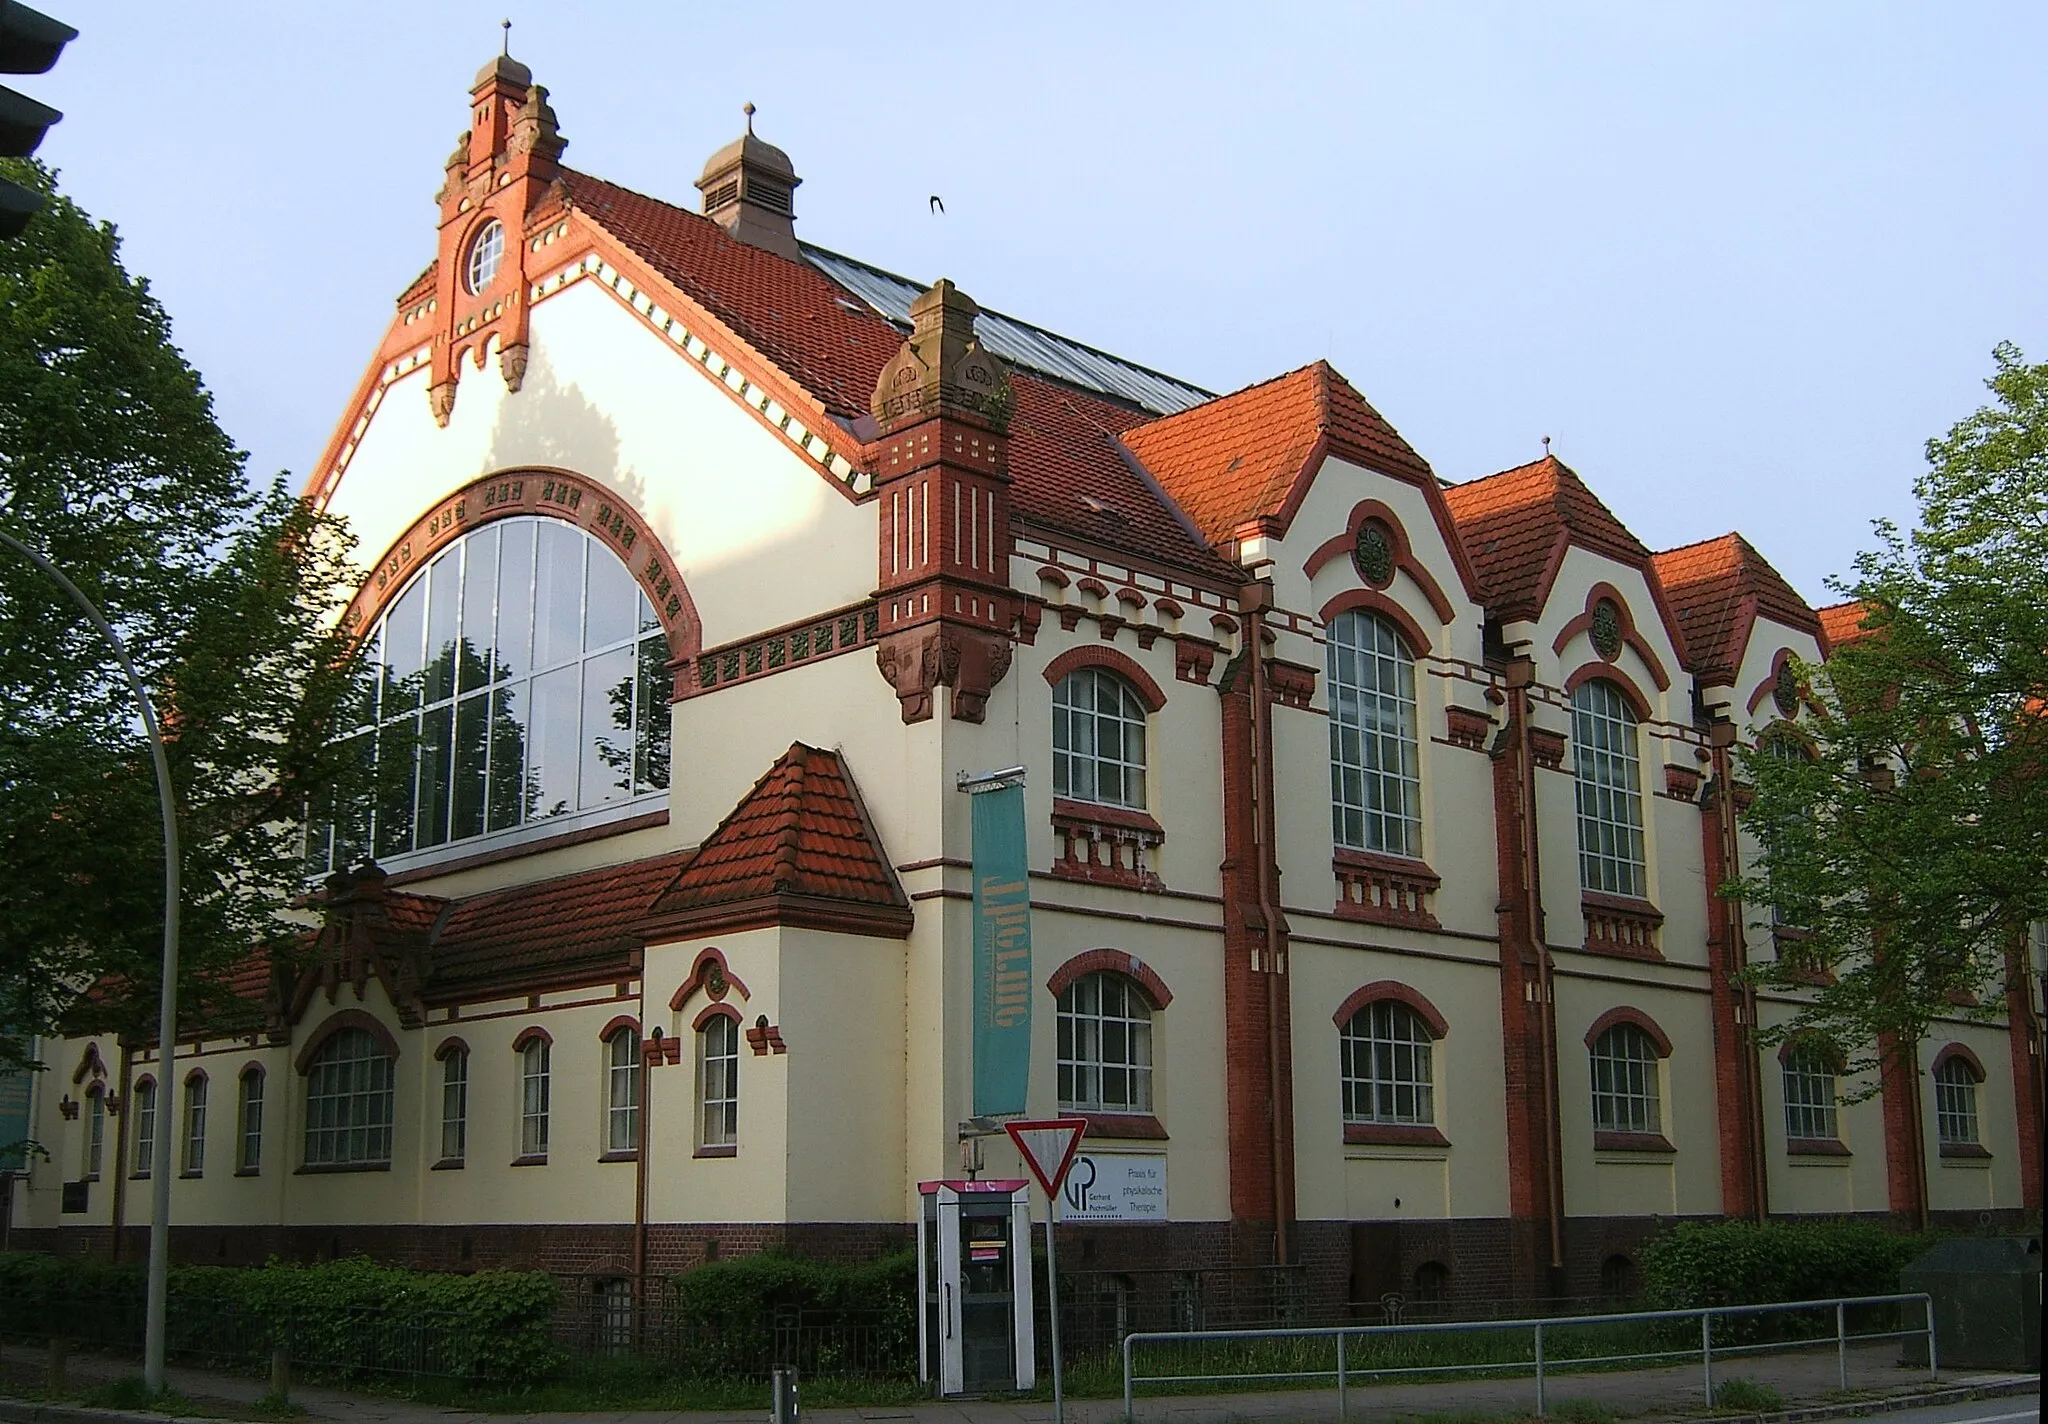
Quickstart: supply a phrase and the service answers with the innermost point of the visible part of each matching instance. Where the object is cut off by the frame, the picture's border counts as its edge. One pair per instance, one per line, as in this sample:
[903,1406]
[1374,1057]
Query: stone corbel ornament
[918,662]
[442,398]
[512,365]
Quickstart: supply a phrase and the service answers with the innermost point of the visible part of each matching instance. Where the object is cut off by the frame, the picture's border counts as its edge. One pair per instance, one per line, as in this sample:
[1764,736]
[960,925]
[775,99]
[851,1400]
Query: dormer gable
[1718,589]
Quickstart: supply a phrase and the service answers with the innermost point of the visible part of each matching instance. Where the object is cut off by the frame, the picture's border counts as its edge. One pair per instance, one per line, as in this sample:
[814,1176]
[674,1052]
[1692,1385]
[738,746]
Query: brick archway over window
[1631,638]
[1622,682]
[1953,1051]
[1401,993]
[1110,660]
[1371,600]
[532,1033]
[1624,1014]
[1115,961]
[345,1019]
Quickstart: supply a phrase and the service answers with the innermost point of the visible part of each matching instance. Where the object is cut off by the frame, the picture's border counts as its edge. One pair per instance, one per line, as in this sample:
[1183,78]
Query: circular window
[485,256]
[1606,629]
[1373,553]
[1785,690]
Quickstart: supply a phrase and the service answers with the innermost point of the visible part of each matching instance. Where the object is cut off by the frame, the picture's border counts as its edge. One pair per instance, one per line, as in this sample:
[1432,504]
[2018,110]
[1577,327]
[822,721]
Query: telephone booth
[974,1333]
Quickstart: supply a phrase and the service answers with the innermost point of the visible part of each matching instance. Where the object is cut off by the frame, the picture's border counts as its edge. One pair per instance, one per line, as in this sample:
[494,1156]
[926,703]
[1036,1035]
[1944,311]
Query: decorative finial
[1546,447]
[748,109]
[506,26]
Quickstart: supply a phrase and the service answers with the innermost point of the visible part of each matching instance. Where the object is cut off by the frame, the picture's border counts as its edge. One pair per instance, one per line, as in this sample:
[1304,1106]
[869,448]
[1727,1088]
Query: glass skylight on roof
[1019,342]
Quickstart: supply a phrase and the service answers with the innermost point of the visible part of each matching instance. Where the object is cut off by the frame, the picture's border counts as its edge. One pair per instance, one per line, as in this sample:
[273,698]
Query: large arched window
[348,1102]
[1105,1045]
[1375,789]
[1808,1078]
[1098,739]
[1626,1096]
[1955,1101]
[1610,791]
[522,678]
[1388,1074]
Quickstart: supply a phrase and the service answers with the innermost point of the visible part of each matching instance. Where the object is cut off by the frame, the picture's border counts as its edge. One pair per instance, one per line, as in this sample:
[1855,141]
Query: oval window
[486,254]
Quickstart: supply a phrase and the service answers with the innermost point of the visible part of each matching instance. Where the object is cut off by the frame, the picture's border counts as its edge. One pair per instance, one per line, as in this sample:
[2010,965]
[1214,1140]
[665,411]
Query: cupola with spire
[749,189]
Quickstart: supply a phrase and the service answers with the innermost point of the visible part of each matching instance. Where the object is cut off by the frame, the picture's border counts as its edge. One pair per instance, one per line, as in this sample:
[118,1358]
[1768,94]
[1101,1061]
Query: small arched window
[249,1122]
[454,1105]
[486,255]
[534,1092]
[1098,739]
[1104,1045]
[1388,1073]
[622,1091]
[1955,1102]
[1609,775]
[1618,1278]
[1375,786]
[144,1108]
[95,1130]
[349,1102]
[1432,1283]
[1808,1075]
[718,1084]
[1625,1081]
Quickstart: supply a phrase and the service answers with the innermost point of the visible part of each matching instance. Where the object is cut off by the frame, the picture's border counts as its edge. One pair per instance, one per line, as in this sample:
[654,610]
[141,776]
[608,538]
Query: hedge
[723,1314]
[1698,1263]
[347,1318]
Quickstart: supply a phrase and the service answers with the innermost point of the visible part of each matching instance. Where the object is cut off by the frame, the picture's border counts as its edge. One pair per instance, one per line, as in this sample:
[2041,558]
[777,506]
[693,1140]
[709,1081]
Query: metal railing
[1343,1371]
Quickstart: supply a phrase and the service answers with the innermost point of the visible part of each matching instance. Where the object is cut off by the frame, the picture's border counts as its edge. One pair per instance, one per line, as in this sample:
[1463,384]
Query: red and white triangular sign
[1049,1147]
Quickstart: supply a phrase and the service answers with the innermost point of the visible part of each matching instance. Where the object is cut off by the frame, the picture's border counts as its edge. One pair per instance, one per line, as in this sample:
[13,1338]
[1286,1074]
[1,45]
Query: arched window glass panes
[145,1126]
[1955,1103]
[1375,789]
[1610,791]
[486,255]
[454,1106]
[523,678]
[348,1101]
[1387,1069]
[1625,1096]
[1098,739]
[1809,1081]
[249,1155]
[622,1091]
[718,1083]
[1105,1045]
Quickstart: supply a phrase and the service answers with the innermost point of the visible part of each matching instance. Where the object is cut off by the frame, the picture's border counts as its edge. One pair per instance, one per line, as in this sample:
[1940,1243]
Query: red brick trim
[721,1149]
[700,973]
[1136,1127]
[544,490]
[1976,1150]
[1371,600]
[715,1011]
[620,1021]
[450,1046]
[1121,664]
[1816,1147]
[1394,1134]
[252,1069]
[1384,889]
[1791,1047]
[1769,685]
[1608,672]
[1607,1141]
[529,1034]
[1630,638]
[1625,1014]
[1957,1050]
[1621,925]
[337,1021]
[90,1062]
[1340,547]
[1393,989]
[1113,961]
[197,1075]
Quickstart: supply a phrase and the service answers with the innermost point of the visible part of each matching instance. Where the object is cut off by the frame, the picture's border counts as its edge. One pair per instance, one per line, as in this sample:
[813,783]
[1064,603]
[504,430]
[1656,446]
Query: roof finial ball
[748,109]
[506,26]
[1546,447]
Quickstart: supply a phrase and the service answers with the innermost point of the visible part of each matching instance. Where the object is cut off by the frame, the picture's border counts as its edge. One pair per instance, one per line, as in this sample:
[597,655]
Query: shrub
[1747,1397]
[724,1312]
[1697,1264]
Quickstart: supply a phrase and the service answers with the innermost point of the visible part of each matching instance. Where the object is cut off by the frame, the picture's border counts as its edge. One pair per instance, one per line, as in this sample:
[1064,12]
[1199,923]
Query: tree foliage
[1904,822]
[112,465]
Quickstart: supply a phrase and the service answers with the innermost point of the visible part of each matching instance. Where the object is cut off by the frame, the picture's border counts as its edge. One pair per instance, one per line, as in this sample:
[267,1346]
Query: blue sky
[1739,260]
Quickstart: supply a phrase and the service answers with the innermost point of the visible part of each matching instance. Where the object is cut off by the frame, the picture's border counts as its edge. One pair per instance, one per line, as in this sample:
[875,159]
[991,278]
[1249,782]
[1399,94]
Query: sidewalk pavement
[1808,1381]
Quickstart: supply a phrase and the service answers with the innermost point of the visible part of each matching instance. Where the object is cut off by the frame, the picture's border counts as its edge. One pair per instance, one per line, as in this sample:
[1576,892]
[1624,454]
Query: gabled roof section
[1718,588]
[1249,455]
[1516,525]
[799,849]
[1843,623]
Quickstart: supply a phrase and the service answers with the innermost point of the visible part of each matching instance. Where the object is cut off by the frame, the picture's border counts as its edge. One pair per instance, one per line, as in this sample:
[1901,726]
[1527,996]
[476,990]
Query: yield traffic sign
[1049,1148]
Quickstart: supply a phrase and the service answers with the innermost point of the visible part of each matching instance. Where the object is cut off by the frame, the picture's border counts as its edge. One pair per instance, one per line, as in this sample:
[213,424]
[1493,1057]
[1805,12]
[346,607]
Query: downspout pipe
[650,1059]
[1521,679]
[1722,741]
[1254,599]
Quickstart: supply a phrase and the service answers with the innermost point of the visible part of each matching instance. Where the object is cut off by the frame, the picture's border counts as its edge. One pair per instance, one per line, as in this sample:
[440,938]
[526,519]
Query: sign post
[1048,1149]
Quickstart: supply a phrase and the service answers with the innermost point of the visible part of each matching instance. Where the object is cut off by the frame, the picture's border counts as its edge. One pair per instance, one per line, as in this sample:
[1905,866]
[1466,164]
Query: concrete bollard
[280,1374]
[782,1406]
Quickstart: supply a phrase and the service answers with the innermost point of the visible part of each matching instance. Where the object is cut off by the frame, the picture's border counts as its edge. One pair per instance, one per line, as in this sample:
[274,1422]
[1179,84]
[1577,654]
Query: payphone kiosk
[974,1333]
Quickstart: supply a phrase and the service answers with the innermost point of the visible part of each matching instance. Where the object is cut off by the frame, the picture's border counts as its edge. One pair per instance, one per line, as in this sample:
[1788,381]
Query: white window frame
[249,1121]
[1375,764]
[95,1132]
[1098,739]
[194,1147]
[455,1106]
[1386,1054]
[1607,767]
[1956,1122]
[485,259]
[1807,1081]
[351,1099]
[535,1089]
[143,1105]
[718,1082]
[1104,1045]
[622,1091]
[1627,1077]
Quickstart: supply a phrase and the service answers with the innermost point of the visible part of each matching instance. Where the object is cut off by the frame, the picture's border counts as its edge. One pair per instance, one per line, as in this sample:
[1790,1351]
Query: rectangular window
[145,1127]
[252,1122]
[718,1080]
[1955,1104]
[1809,1097]
[195,1127]
[533,1099]
[455,1106]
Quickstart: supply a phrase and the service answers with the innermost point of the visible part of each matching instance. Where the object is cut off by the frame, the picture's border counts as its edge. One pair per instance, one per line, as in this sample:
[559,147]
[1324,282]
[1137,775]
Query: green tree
[228,598]
[1904,822]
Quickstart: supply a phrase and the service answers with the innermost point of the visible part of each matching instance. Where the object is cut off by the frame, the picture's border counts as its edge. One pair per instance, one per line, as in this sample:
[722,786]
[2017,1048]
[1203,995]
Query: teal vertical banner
[14,1091]
[1002,953]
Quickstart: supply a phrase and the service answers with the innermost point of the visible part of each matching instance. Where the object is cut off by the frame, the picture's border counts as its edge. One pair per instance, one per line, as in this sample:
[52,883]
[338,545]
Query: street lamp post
[167,1009]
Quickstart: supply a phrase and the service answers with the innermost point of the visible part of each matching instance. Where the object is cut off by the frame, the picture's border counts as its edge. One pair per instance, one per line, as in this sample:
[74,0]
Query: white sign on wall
[1115,1187]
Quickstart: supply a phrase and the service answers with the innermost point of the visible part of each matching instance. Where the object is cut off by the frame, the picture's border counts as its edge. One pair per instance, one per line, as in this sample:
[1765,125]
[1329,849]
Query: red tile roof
[1843,622]
[1515,525]
[1717,588]
[834,346]
[798,840]
[1244,456]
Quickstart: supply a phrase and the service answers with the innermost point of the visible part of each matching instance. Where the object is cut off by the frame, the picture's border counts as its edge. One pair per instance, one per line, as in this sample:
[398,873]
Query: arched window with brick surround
[1098,739]
[1387,1035]
[1807,1073]
[1105,1002]
[1625,1052]
[348,1067]
[1608,769]
[1957,1072]
[1375,781]
[536,1092]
